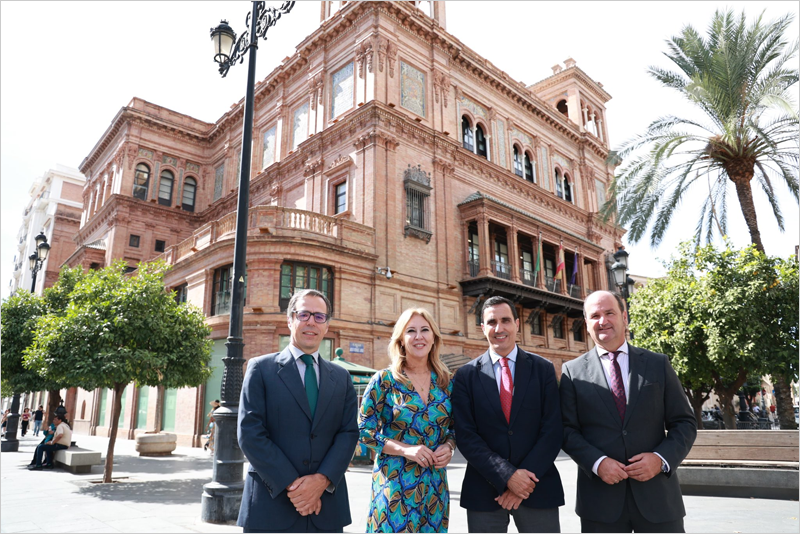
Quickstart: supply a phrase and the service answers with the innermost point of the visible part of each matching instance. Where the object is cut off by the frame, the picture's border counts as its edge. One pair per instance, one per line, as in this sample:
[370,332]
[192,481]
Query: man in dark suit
[298,430]
[508,427]
[628,425]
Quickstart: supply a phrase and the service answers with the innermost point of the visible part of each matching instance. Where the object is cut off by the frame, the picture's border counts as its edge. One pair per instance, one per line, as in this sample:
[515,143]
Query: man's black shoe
[34,468]
[48,466]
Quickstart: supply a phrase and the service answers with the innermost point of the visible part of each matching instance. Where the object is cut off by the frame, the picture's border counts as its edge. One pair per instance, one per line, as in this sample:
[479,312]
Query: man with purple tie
[627,424]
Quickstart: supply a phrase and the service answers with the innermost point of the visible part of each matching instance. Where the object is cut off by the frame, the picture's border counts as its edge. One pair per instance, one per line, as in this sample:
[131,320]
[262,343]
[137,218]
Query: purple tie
[617,386]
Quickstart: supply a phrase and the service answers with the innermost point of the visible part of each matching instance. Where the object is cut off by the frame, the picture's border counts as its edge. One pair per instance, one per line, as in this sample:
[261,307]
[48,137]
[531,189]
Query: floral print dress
[406,497]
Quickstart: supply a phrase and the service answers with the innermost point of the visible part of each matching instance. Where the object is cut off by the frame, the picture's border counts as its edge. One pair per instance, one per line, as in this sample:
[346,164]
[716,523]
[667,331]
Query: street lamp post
[621,278]
[223,495]
[11,443]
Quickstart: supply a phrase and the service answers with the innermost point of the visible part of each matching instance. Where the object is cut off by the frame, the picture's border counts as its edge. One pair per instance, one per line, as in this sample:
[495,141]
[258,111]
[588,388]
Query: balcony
[528,277]
[501,270]
[474,267]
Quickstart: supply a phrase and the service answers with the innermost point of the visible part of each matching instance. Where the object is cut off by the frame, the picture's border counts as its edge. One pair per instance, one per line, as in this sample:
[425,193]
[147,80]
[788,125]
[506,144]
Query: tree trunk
[117,408]
[726,395]
[53,402]
[696,399]
[783,399]
[741,177]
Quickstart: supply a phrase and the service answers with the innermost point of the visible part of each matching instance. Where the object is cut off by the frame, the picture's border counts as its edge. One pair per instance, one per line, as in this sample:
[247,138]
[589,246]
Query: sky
[66,69]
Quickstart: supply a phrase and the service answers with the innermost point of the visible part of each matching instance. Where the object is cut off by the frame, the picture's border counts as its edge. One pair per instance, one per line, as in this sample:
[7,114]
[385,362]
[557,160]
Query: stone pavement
[163,495]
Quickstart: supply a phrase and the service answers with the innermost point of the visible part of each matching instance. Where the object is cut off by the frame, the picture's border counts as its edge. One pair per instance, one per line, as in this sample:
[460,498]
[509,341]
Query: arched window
[559,185]
[189,190]
[466,134]
[567,189]
[480,141]
[517,162]
[563,108]
[141,182]
[528,168]
[165,188]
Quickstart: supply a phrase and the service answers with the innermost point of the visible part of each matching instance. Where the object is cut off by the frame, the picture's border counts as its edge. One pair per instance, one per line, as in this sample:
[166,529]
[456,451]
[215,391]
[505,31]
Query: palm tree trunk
[785,410]
[745,194]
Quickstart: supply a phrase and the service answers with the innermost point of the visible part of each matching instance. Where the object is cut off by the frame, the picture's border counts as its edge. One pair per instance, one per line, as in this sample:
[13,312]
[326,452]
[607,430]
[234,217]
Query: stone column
[513,252]
[484,249]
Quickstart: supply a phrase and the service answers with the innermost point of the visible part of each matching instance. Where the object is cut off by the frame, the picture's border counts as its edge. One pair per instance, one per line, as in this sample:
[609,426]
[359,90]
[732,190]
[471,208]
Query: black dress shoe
[34,468]
[48,466]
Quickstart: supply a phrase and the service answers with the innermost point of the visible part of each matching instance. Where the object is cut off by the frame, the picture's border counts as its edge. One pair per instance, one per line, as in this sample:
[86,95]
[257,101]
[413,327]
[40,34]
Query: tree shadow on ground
[182,491]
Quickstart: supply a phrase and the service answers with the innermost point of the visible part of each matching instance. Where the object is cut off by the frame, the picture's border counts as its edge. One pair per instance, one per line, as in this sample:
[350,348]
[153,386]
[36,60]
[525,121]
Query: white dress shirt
[301,365]
[498,368]
[624,367]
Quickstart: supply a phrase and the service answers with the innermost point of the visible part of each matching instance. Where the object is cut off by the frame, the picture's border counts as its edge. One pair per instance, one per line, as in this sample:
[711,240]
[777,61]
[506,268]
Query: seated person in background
[48,436]
[61,440]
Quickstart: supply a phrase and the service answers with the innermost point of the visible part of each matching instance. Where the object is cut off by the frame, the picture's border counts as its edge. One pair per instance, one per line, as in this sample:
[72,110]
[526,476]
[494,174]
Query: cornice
[571,72]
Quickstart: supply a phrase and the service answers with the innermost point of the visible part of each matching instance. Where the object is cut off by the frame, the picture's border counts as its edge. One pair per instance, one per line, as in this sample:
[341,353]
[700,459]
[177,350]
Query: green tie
[312,390]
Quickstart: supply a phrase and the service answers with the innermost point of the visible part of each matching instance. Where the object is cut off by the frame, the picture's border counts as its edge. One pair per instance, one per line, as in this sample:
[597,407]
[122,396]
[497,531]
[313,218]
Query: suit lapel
[326,383]
[291,378]
[597,376]
[522,376]
[489,383]
[636,367]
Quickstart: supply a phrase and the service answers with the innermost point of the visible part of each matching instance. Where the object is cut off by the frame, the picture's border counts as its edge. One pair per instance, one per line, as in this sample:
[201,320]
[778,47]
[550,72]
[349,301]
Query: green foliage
[722,315]
[119,329]
[19,315]
[740,78]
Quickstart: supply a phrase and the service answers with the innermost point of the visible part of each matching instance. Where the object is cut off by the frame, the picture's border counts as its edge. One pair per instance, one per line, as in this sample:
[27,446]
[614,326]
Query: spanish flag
[560,262]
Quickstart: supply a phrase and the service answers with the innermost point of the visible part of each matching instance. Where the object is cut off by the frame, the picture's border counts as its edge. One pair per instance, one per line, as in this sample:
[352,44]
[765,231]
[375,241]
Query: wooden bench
[77,460]
[742,463]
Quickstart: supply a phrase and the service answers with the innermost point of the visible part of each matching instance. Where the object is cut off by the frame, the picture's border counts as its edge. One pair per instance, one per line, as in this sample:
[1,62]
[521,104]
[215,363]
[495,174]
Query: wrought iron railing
[501,270]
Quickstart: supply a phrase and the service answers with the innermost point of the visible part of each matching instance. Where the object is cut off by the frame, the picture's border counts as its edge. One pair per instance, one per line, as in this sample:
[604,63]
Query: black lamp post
[621,278]
[11,443]
[223,495]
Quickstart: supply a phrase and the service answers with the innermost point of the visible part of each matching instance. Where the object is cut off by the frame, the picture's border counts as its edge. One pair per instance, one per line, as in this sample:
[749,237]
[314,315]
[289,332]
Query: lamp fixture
[386,271]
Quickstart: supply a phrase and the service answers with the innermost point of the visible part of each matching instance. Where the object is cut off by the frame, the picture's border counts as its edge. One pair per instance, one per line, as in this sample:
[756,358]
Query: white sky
[66,68]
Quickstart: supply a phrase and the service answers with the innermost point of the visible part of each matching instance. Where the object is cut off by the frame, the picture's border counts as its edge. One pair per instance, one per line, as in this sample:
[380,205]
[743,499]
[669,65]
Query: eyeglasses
[304,316]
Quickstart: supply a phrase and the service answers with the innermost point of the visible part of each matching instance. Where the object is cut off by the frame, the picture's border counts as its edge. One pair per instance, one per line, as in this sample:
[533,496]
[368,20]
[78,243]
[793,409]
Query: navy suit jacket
[658,418]
[282,442]
[495,449]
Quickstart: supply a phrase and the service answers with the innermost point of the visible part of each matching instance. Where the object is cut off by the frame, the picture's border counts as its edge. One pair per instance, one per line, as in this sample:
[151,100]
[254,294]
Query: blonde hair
[397,352]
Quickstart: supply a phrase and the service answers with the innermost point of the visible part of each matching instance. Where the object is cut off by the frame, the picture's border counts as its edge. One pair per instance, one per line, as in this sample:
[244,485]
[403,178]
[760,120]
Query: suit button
[624,432]
[305,462]
[510,432]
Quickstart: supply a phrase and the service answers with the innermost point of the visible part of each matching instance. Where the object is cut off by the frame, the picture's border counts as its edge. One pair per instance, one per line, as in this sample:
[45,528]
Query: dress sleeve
[370,418]
[451,427]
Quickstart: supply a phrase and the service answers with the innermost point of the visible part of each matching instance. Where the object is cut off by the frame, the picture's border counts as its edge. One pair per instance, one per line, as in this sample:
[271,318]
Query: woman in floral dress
[406,417]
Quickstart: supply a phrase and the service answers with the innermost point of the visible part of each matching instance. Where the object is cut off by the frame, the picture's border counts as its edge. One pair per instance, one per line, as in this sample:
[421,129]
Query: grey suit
[592,428]
[282,442]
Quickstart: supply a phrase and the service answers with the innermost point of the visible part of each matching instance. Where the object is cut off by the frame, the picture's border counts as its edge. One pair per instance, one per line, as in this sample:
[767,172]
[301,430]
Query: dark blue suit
[495,449]
[282,443]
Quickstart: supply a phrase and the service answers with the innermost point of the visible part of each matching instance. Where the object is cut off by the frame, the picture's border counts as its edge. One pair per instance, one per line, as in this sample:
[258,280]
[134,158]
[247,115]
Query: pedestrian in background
[26,418]
[406,417]
[209,445]
[38,416]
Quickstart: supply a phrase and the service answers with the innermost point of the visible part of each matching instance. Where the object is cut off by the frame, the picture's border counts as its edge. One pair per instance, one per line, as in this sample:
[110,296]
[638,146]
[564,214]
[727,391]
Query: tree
[724,315]
[739,77]
[664,320]
[20,313]
[119,329]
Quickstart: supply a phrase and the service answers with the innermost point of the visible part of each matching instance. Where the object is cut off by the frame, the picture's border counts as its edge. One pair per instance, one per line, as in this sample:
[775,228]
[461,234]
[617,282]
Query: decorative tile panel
[169,160]
[218,179]
[522,136]
[500,128]
[412,89]
[268,157]
[300,125]
[601,192]
[146,153]
[192,167]
[561,160]
[342,90]
[475,108]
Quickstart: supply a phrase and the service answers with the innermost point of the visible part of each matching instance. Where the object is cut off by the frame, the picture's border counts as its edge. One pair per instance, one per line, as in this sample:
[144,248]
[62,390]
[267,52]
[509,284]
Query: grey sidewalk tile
[150,524]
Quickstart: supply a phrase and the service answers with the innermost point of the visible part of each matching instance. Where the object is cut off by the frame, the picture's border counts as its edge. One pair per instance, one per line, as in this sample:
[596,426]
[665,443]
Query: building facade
[392,167]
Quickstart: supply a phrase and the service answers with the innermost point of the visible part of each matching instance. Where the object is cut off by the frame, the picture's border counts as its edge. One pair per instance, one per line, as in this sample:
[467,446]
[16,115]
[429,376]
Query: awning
[358,373]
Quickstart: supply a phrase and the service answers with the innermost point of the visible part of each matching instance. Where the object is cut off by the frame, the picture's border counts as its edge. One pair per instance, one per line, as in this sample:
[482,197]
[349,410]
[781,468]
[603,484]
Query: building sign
[356,348]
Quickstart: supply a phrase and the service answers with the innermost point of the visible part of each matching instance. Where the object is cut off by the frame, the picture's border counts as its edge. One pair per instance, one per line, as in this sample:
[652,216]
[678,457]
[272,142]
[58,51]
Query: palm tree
[739,77]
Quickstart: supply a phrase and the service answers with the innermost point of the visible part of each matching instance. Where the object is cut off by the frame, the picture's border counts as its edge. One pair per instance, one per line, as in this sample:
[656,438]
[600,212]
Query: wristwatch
[664,466]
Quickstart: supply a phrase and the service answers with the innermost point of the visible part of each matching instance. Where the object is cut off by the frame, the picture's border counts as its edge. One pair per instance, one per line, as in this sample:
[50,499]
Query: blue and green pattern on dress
[406,497]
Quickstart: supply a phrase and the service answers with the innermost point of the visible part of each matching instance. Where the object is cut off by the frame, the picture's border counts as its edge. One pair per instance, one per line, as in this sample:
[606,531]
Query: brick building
[383,146]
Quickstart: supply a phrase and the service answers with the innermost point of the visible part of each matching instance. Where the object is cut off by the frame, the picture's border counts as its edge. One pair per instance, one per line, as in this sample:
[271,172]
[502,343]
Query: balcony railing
[501,270]
[222,302]
[575,291]
[550,286]
[529,277]
[474,267]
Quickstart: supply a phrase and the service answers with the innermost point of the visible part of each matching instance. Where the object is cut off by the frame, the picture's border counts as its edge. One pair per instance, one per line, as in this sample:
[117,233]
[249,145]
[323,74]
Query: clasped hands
[426,457]
[642,467]
[518,488]
[305,493]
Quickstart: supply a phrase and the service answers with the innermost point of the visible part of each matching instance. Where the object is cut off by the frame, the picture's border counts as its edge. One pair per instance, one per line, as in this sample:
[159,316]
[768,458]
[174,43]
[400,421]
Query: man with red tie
[628,425]
[508,426]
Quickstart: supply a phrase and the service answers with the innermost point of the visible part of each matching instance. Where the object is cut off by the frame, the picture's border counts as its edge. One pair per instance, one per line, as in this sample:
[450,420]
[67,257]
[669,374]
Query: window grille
[418,189]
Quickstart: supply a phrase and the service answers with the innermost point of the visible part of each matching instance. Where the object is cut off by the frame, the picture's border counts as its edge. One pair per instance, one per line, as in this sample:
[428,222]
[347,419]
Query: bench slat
[741,463]
[748,438]
[715,452]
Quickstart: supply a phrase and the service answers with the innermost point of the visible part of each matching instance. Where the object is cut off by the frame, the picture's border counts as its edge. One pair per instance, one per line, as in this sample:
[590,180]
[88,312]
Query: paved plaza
[163,495]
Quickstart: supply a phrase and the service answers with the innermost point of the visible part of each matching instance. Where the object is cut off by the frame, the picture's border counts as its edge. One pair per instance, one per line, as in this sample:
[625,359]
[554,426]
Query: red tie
[617,386]
[506,388]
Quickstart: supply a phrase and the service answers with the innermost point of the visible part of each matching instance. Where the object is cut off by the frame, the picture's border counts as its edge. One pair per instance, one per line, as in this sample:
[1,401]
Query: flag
[560,260]
[574,269]
[538,266]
